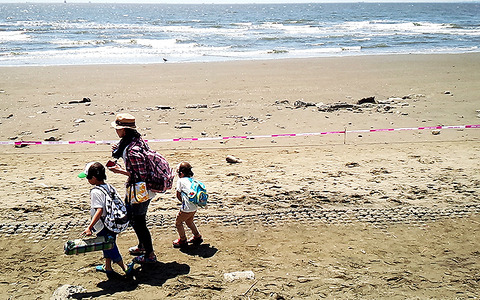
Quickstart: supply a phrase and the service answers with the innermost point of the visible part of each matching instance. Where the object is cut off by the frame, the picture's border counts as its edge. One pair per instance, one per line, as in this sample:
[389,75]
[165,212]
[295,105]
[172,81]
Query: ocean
[81,34]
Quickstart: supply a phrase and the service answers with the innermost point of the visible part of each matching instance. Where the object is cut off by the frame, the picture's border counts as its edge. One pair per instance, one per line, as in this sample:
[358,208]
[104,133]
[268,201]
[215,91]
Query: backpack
[160,175]
[198,193]
[116,218]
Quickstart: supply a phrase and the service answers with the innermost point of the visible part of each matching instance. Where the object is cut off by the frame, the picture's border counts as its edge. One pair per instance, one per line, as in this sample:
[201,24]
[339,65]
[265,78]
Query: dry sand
[366,215]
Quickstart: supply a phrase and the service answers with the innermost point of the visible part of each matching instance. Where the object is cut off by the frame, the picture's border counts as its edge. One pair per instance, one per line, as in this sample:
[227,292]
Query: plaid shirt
[135,161]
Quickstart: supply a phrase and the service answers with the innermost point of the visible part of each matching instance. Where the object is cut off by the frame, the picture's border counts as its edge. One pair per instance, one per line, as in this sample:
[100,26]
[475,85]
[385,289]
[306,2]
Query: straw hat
[124,121]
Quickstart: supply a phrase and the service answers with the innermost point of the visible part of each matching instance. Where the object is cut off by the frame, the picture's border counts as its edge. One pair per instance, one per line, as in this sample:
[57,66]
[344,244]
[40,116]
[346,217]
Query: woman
[131,149]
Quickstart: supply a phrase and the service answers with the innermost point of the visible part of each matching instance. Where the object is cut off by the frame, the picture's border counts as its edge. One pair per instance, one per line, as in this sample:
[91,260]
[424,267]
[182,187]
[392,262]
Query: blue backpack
[198,193]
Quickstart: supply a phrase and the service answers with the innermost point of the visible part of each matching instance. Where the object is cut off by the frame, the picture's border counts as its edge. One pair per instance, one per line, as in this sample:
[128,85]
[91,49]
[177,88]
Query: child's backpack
[116,218]
[198,193]
[160,175]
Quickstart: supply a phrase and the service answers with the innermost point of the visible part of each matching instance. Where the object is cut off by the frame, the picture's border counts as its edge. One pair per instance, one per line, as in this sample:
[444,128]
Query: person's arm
[179,188]
[179,196]
[96,217]
[118,169]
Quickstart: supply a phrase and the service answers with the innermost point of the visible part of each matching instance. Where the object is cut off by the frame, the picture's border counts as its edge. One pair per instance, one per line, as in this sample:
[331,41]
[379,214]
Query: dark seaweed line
[414,215]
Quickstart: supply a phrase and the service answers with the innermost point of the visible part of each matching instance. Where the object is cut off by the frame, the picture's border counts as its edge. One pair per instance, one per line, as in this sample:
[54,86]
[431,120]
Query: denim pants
[113,253]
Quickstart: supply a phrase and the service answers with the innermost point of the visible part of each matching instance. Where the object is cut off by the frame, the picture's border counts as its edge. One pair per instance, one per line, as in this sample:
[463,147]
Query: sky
[224,1]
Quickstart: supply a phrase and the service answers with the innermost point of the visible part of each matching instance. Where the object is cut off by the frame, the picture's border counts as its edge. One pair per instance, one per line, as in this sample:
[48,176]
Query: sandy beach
[362,215]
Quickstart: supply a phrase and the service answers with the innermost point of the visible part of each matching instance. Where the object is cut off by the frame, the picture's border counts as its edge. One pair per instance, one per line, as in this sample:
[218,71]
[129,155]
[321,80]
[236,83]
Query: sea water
[79,34]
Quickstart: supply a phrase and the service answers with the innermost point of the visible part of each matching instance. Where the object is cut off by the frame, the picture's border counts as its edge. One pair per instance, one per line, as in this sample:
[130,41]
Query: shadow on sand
[203,250]
[152,274]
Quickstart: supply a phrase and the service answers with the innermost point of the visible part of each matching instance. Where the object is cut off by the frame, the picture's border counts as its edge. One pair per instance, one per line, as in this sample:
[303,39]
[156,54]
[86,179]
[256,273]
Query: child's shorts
[113,253]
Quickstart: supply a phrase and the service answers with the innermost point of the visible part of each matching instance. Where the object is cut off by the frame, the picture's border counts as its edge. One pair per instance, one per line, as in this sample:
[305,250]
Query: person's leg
[111,255]
[143,234]
[139,224]
[182,217]
[108,264]
[192,226]
[121,264]
[132,210]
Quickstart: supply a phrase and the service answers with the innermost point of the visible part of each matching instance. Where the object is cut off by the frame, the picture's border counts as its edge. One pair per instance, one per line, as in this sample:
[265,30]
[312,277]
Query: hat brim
[85,171]
[116,126]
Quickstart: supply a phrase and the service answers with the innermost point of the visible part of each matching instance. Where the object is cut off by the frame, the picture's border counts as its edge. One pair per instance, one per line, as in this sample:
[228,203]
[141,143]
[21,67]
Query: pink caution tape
[20,143]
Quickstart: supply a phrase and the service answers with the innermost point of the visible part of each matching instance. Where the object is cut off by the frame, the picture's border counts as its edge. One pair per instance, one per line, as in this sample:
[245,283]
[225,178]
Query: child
[95,174]
[187,210]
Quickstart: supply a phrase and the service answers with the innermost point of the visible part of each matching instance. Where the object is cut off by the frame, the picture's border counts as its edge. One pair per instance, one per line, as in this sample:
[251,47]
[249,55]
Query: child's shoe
[196,240]
[178,243]
[129,269]
[101,268]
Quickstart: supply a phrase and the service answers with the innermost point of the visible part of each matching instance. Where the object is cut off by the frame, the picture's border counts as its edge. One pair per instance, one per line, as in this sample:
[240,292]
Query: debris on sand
[238,275]
[362,105]
[370,100]
[196,106]
[66,291]
[51,130]
[84,100]
[232,159]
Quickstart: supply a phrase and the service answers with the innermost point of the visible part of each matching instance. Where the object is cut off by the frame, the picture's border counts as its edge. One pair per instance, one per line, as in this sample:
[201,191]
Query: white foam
[385,28]
[11,36]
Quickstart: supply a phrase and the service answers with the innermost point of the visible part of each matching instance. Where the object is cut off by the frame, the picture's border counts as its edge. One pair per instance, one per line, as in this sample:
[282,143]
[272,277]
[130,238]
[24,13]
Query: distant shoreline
[234,61]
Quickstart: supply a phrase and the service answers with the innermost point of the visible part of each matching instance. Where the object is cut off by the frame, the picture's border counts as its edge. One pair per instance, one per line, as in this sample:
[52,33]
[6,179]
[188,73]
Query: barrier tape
[20,143]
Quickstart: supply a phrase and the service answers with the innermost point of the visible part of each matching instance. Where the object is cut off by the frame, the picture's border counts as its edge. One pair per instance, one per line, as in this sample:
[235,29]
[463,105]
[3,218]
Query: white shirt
[183,186]
[98,200]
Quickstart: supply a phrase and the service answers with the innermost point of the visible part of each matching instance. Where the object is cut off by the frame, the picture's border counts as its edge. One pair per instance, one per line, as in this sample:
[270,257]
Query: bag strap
[132,187]
[104,191]
[107,191]
[191,179]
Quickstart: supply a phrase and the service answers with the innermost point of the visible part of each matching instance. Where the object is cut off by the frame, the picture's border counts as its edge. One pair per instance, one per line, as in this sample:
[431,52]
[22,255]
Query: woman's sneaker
[196,240]
[142,259]
[136,251]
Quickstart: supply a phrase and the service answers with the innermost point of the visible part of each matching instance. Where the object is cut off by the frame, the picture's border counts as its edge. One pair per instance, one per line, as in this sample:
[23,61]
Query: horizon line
[234,2]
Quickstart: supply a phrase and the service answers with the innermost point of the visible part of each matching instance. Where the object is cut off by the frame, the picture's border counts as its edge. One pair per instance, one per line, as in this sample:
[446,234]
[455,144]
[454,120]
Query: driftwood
[84,100]
[367,100]
[336,106]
